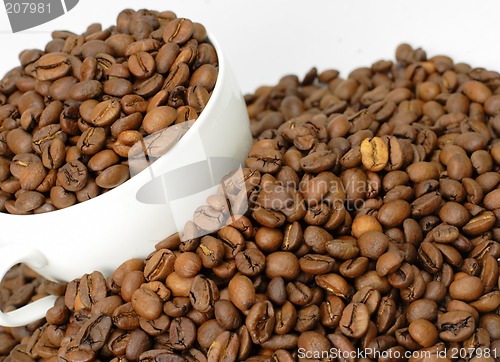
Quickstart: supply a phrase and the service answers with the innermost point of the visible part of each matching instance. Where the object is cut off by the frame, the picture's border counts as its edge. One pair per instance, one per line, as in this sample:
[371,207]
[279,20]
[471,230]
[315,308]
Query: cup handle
[10,256]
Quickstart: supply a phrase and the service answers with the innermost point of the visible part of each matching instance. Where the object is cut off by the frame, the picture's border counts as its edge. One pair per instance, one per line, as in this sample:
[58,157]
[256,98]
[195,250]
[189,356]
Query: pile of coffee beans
[371,234]
[20,286]
[70,114]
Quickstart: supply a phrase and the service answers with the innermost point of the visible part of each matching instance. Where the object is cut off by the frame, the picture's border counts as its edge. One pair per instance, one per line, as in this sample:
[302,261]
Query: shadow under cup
[126,222]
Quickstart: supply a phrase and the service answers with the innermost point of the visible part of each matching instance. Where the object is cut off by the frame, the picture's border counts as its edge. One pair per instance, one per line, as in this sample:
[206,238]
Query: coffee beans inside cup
[72,114]
[371,227]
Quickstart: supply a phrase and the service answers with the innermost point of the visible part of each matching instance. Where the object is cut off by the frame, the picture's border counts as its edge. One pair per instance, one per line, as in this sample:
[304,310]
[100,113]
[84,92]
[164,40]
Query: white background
[265,39]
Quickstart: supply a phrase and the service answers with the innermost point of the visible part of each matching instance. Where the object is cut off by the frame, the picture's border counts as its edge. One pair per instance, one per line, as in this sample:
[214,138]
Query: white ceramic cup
[127,221]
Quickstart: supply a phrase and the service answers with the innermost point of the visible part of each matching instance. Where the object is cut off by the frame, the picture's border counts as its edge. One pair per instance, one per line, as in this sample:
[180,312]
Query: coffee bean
[54,154]
[205,76]
[476,91]
[141,64]
[454,214]
[264,160]
[480,223]
[316,264]
[19,141]
[250,262]
[138,343]
[73,176]
[178,31]
[354,321]
[334,284]
[260,322]
[166,56]
[146,304]
[342,249]
[268,239]
[204,293]
[317,238]
[394,213]
[52,66]
[389,262]
[211,251]
[372,244]
[44,136]
[282,264]
[374,154]
[94,333]
[456,326]
[131,283]
[363,224]
[227,315]
[224,348]
[242,292]
[423,332]
[467,288]
[92,140]
[113,176]
[182,333]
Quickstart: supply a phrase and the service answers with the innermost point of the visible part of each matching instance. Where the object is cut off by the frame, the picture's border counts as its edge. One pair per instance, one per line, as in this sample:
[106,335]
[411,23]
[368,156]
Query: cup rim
[144,175]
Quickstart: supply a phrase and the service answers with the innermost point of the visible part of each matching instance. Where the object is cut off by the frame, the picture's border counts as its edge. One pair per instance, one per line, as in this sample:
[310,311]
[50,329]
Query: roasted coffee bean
[204,293]
[227,315]
[282,264]
[125,317]
[182,333]
[206,331]
[91,290]
[113,176]
[342,249]
[54,154]
[468,288]
[146,304]
[224,348]
[268,239]
[178,31]
[179,286]
[298,293]
[159,265]
[73,176]
[92,140]
[316,264]
[423,332]
[456,326]
[354,321]
[389,262]
[242,292]
[334,284]
[29,201]
[94,333]
[394,213]
[131,283]
[205,76]
[52,66]
[372,244]
[374,154]
[260,322]
[211,251]
[365,223]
